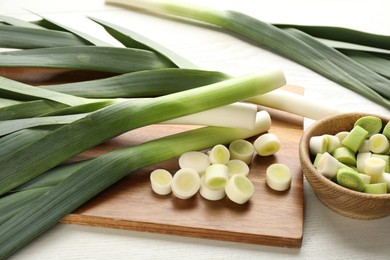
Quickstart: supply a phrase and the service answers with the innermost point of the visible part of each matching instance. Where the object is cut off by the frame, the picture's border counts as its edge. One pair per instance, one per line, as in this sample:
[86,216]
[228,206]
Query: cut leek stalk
[341,135]
[350,179]
[333,143]
[219,154]
[328,165]
[386,179]
[355,138]
[242,150]
[278,177]
[185,183]
[386,130]
[365,178]
[318,144]
[345,155]
[364,147]
[239,189]
[195,160]
[161,180]
[267,144]
[361,160]
[376,188]
[210,194]
[374,167]
[217,176]
[371,124]
[237,167]
[378,143]
[386,158]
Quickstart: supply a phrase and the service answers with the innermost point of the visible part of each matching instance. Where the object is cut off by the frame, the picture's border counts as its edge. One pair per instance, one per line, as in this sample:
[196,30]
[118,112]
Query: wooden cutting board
[269,218]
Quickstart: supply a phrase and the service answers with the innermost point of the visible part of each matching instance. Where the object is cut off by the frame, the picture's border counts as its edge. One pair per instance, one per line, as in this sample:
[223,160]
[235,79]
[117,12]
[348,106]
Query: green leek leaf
[134,40]
[148,83]
[108,59]
[15,37]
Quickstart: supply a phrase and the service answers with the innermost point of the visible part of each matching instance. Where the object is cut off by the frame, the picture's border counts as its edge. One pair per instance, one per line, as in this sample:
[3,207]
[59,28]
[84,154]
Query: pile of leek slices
[222,171]
[357,159]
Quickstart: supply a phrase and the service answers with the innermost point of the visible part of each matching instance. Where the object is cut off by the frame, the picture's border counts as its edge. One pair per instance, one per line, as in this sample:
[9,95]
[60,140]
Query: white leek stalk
[328,165]
[378,143]
[294,103]
[374,167]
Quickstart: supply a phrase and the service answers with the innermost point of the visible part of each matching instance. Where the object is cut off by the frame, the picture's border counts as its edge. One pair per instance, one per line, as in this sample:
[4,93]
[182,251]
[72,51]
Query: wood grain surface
[270,218]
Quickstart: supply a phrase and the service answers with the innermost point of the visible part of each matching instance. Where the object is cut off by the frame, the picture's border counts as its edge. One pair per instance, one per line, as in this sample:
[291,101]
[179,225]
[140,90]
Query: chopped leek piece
[364,147]
[365,178]
[355,138]
[318,144]
[161,180]
[386,130]
[333,143]
[374,167]
[317,158]
[210,194]
[328,165]
[361,160]
[371,124]
[217,176]
[386,158]
[341,135]
[267,144]
[278,177]
[376,188]
[239,189]
[350,179]
[219,154]
[386,179]
[237,167]
[241,150]
[185,183]
[194,160]
[345,155]
[378,143]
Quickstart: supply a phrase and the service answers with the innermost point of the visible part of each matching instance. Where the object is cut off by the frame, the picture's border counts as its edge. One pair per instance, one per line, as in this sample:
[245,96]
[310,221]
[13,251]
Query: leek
[196,160]
[278,177]
[71,139]
[268,36]
[161,181]
[97,174]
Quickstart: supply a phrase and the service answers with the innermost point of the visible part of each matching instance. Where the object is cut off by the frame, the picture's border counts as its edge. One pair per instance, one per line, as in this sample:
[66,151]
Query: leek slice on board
[266,35]
[108,59]
[98,174]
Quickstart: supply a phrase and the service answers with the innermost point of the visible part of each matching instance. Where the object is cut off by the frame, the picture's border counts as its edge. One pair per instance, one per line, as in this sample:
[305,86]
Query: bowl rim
[305,155]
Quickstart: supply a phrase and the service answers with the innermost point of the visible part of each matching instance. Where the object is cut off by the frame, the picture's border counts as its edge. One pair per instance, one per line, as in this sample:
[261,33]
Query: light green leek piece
[355,138]
[350,179]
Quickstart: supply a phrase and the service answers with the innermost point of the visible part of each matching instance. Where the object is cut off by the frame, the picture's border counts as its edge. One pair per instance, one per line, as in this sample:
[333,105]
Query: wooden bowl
[344,201]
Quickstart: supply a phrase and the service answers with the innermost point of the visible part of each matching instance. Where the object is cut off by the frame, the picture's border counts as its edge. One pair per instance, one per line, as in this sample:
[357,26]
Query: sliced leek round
[242,150]
[161,180]
[378,143]
[239,189]
[219,154]
[267,144]
[278,177]
[216,176]
[210,194]
[185,183]
[195,160]
[350,179]
[328,165]
[237,167]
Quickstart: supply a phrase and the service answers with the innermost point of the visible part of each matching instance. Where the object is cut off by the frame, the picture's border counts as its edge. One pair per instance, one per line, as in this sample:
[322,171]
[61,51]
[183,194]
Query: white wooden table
[327,235]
